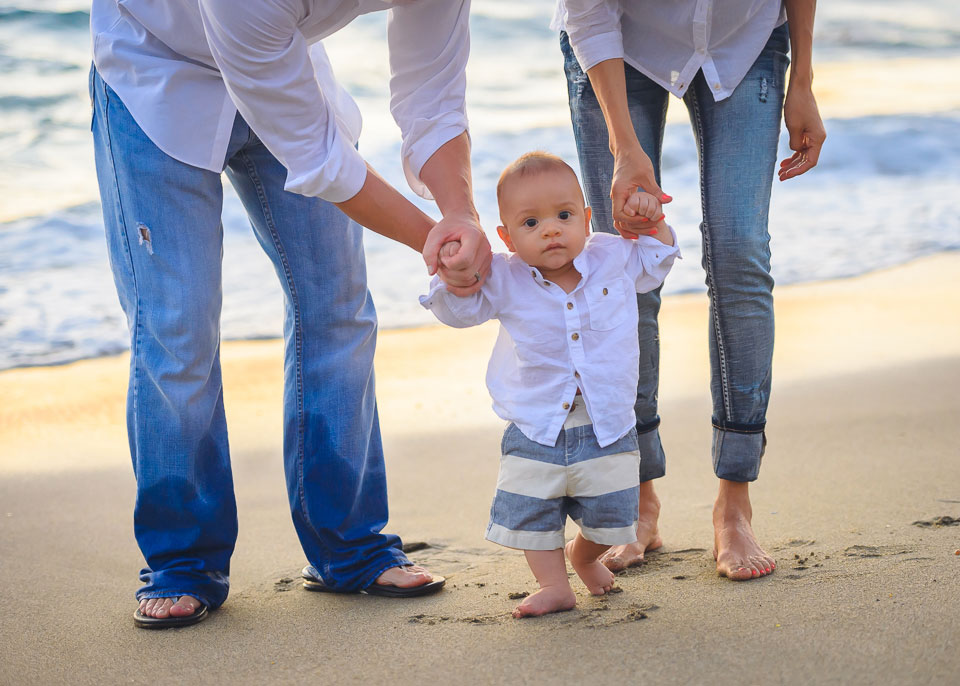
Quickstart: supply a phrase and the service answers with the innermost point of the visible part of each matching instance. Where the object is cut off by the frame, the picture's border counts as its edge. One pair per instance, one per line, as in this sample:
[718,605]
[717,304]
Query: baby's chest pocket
[607,304]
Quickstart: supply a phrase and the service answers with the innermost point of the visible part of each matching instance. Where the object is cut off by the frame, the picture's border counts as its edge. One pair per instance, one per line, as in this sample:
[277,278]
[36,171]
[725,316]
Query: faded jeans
[737,144]
[164,237]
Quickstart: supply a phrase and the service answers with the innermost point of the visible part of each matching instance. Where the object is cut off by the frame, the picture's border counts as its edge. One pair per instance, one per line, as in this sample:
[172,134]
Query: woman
[728,63]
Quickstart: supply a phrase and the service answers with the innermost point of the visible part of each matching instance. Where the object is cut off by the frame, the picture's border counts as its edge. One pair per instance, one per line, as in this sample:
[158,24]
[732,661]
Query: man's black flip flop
[313,582]
[146,622]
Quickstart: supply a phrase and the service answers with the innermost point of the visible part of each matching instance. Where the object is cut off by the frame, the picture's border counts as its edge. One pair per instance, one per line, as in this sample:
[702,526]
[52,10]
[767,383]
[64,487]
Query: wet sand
[859,483]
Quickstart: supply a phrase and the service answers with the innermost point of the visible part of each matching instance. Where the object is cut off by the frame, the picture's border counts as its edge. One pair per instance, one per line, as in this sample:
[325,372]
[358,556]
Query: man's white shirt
[552,342]
[183,68]
[671,41]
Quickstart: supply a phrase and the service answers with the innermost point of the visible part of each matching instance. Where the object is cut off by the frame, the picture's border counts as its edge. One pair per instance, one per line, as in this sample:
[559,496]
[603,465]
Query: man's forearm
[800,14]
[381,208]
[447,175]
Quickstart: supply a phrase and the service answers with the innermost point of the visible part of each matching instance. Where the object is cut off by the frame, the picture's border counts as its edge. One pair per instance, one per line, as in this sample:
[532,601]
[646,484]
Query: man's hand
[802,117]
[465,270]
[632,170]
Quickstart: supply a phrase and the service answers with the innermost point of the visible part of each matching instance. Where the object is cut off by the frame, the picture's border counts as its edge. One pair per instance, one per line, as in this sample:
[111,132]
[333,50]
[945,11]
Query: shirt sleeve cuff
[336,179]
[423,144]
[598,48]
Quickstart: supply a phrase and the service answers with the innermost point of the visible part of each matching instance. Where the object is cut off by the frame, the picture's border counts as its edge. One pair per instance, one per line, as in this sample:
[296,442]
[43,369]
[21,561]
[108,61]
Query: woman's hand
[802,117]
[632,169]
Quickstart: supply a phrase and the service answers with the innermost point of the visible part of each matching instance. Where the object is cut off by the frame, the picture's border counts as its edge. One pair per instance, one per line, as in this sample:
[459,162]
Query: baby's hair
[534,162]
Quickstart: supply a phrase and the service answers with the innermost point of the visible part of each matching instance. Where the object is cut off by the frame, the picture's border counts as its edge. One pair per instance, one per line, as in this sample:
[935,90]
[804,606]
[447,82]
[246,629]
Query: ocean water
[887,188]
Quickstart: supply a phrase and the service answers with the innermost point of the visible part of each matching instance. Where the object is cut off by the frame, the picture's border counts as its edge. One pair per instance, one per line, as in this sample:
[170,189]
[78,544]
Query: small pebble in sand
[956,552]
[517,595]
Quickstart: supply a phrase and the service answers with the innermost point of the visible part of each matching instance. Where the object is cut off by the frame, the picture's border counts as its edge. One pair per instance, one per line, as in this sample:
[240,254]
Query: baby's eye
[564,215]
[530,223]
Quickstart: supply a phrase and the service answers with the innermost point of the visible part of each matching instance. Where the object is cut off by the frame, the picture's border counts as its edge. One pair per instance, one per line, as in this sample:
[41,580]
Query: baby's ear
[505,237]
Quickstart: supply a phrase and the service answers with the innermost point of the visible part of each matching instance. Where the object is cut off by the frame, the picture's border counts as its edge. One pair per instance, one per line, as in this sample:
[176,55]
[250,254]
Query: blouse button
[569,306]
[604,291]
[575,336]
[566,406]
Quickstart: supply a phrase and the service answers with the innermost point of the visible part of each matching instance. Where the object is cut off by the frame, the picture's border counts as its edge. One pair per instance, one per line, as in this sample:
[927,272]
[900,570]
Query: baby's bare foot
[620,557]
[597,578]
[548,599]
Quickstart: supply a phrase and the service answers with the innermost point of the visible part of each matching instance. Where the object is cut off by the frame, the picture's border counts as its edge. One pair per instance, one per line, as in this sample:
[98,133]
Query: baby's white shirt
[552,342]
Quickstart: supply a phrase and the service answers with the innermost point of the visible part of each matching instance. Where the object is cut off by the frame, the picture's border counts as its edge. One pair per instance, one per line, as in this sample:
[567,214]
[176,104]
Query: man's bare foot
[407,576]
[735,547]
[161,608]
[620,557]
[583,556]
[548,599]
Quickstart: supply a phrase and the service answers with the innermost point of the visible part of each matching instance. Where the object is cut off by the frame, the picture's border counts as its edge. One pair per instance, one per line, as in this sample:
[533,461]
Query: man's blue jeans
[164,238]
[737,142]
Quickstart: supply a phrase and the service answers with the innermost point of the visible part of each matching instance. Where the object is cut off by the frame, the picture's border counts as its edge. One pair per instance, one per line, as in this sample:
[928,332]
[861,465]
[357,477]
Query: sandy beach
[860,473]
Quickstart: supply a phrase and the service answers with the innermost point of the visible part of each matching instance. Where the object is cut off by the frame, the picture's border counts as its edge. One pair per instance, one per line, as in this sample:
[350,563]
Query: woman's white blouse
[671,41]
[183,68]
[552,342]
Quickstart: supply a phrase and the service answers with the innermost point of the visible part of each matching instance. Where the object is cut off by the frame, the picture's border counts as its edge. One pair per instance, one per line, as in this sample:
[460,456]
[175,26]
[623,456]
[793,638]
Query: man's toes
[184,607]
[158,607]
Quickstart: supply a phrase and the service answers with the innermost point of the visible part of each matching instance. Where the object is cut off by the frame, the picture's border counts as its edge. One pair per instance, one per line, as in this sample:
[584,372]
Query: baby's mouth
[554,246]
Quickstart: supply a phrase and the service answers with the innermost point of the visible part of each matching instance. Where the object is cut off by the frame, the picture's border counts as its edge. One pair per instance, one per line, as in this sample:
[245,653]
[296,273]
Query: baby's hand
[648,212]
[448,249]
[644,206]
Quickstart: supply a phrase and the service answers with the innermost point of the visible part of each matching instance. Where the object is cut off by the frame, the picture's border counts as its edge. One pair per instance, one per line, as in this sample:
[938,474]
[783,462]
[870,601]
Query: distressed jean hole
[145,241]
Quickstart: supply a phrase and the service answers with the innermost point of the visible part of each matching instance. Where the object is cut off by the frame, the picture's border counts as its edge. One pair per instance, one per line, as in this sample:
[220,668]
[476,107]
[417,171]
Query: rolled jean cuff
[738,450]
[653,463]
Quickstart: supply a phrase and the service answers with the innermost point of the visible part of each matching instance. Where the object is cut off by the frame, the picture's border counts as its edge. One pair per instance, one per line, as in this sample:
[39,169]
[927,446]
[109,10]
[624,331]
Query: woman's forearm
[610,86]
[800,14]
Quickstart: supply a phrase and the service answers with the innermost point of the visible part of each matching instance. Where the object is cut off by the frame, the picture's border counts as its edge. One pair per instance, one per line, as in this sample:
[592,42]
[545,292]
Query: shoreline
[417,327]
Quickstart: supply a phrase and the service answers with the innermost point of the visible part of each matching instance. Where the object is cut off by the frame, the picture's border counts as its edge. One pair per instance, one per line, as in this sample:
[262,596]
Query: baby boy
[563,372]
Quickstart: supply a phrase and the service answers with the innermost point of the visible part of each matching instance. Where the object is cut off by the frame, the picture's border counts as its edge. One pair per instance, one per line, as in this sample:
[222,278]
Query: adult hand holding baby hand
[458,250]
[632,209]
[647,211]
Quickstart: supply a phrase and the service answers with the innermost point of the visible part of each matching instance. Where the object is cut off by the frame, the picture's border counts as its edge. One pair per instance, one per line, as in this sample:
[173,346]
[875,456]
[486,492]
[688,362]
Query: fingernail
[665,198]
[644,219]
[662,217]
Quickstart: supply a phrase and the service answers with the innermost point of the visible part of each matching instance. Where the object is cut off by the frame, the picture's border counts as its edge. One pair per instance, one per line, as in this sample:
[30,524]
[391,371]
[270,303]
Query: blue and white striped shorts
[539,486]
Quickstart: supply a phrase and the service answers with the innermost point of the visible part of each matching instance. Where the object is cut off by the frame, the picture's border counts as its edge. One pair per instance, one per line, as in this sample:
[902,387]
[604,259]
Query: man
[182,91]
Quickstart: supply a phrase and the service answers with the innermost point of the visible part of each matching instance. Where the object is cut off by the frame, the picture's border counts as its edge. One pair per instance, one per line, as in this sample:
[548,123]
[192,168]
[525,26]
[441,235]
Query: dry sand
[864,438]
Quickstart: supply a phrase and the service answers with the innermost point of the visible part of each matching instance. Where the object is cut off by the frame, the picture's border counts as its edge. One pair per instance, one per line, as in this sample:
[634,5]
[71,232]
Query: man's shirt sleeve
[266,66]
[429,43]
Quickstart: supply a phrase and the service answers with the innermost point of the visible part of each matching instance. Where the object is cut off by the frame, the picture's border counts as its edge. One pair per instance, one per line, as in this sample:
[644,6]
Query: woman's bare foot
[738,554]
[548,599]
[583,556]
[407,576]
[161,608]
[620,557]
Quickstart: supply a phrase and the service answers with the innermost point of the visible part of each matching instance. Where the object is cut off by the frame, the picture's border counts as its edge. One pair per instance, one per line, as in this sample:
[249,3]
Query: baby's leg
[583,555]
[555,594]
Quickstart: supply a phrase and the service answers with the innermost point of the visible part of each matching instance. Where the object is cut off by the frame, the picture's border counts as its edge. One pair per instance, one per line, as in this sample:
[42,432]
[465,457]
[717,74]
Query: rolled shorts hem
[623,535]
[525,540]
